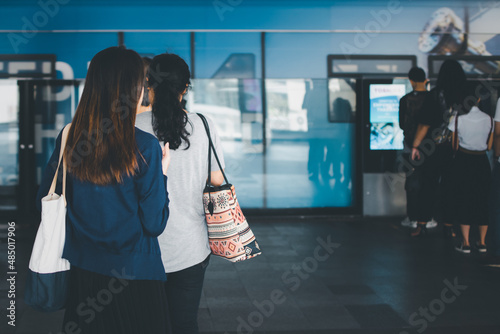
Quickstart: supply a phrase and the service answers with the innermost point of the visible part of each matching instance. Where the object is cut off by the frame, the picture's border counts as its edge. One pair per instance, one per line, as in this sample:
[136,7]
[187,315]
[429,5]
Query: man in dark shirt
[410,111]
[410,105]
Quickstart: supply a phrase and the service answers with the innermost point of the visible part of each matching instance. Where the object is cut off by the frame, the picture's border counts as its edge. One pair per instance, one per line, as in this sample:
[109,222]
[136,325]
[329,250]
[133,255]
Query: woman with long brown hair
[117,205]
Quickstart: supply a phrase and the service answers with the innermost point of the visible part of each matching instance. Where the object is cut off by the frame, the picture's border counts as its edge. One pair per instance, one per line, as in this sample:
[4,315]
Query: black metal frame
[121,38]
[192,43]
[26,57]
[26,154]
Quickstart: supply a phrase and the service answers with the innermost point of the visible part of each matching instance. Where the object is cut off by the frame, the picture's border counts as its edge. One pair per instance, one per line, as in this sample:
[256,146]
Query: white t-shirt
[184,243]
[474,128]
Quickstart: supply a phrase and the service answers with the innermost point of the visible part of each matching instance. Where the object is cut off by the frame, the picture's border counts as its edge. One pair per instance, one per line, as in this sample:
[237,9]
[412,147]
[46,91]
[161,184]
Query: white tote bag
[47,282]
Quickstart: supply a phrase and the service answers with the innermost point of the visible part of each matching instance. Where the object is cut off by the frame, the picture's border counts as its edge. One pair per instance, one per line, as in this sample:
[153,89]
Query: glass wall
[310,160]
[9,143]
[288,137]
[235,107]
[228,89]
[153,43]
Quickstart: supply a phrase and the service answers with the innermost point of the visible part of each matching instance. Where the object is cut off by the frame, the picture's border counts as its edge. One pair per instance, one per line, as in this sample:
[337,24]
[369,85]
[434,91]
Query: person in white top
[184,244]
[471,172]
[495,191]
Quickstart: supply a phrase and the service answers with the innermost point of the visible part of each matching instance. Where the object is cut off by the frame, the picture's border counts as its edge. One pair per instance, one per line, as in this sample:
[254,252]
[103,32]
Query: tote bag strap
[64,138]
[210,149]
[491,132]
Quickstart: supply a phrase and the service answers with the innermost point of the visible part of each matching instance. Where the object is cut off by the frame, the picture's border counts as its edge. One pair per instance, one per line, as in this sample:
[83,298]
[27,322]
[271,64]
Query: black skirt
[471,180]
[105,304]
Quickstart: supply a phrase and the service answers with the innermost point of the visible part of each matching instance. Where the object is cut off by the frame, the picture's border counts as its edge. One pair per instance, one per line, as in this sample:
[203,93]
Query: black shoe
[481,248]
[419,231]
[463,249]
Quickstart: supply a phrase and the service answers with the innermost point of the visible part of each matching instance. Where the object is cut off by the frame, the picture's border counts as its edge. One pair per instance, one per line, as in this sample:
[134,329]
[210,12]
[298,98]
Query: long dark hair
[451,81]
[101,144]
[169,77]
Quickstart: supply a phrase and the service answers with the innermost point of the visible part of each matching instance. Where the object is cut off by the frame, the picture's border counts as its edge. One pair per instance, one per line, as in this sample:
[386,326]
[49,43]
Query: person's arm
[217,178]
[402,111]
[165,161]
[48,174]
[454,132]
[422,130]
[151,186]
[495,139]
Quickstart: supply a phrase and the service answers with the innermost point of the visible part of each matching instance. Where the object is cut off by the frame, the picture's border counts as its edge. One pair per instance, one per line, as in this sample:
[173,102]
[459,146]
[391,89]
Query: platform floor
[324,275]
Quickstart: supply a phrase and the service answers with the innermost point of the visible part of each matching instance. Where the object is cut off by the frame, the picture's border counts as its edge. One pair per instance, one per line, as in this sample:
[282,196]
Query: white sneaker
[407,223]
[431,224]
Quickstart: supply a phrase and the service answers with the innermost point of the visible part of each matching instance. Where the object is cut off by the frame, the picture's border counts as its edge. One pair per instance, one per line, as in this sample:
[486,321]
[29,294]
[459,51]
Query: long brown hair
[101,145]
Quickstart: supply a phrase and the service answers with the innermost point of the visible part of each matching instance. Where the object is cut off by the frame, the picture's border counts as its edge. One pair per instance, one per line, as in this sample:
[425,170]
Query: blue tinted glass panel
[154,43]
[74,49]
[310,161]
[9,133]
[235,107]
[228,55]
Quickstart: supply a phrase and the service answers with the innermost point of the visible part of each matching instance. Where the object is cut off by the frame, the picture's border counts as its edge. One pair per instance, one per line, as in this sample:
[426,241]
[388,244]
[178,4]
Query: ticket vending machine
[375,83]
[384,168]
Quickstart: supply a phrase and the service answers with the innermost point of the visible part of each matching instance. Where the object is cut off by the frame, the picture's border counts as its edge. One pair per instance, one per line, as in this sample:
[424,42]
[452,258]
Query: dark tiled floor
[370,278]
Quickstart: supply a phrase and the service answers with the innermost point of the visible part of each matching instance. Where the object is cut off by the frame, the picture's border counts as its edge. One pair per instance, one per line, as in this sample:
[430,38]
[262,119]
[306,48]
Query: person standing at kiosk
[410,107]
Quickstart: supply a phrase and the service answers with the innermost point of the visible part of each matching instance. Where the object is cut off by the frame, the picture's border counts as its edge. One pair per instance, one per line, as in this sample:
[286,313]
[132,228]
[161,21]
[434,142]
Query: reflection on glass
[309,161]
[342,100]
[235,106]
[9,133]
[9,143]
[285,111]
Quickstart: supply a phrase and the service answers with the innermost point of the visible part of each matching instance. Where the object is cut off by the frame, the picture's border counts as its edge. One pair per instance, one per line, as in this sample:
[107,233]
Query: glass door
[45,107]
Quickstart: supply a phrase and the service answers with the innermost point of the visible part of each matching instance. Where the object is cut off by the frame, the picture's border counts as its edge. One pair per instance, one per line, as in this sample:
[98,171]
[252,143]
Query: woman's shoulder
[144,139]
[476,112]
[196,119]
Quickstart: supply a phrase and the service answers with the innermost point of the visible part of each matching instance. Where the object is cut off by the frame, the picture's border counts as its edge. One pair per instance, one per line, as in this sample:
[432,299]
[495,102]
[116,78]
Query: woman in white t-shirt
[471,172]
[184,243]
